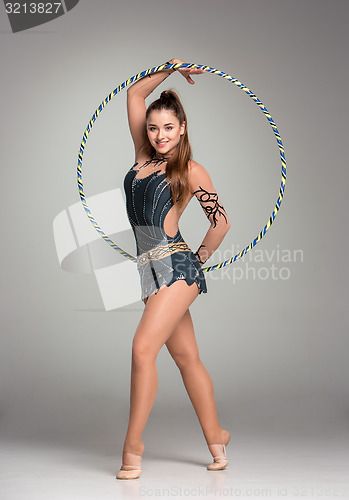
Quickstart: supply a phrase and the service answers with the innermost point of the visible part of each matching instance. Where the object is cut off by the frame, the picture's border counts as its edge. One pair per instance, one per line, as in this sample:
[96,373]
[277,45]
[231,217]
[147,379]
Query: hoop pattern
[208,70]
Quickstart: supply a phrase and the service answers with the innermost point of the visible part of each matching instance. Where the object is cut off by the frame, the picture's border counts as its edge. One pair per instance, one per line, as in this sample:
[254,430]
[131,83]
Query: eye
[170,128]
[151,128]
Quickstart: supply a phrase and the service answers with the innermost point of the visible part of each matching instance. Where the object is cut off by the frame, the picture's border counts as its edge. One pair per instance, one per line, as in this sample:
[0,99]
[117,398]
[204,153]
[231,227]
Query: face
[164,131]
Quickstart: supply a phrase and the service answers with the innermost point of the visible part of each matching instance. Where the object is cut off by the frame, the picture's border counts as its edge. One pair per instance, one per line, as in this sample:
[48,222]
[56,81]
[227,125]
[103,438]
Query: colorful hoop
[208,70]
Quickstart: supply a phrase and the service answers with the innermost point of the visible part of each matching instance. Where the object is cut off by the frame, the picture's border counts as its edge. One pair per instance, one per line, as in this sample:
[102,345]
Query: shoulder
[195,169]
[197,173]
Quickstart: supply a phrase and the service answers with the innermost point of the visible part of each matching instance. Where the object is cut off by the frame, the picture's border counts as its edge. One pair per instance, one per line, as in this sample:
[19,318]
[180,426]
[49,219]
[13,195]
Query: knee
[142,354]
[186,361]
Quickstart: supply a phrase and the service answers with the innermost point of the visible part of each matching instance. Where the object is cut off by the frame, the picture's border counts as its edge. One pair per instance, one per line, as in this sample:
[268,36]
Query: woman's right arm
[136,108]
[140,90]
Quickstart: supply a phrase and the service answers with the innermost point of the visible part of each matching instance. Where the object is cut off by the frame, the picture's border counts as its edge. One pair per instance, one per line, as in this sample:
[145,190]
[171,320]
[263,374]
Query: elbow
[222,227]
[131,90]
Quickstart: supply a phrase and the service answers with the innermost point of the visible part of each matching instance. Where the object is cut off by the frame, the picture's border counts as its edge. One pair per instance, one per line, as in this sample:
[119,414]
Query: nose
[161,135]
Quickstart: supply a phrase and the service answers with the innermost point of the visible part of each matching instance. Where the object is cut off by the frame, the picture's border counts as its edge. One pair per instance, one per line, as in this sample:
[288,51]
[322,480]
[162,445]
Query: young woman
[158,187]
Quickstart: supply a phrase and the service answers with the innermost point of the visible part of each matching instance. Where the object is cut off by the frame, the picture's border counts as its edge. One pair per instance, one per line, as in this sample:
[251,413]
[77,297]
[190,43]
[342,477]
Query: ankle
[220,436]
[132,445]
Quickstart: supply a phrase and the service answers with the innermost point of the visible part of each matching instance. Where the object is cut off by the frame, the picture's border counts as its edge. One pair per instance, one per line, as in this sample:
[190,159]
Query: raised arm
[136,108]
[201,186]
[140,90]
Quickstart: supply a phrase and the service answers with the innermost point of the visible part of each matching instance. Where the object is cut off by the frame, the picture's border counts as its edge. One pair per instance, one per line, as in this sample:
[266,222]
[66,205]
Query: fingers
[186,75]
[193,71]
[186,72]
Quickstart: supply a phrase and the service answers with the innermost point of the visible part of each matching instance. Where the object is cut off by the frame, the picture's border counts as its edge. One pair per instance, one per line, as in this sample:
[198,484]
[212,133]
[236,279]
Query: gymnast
[158,188]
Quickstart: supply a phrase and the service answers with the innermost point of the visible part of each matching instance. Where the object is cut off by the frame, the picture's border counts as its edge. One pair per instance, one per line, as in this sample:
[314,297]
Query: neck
[159,156]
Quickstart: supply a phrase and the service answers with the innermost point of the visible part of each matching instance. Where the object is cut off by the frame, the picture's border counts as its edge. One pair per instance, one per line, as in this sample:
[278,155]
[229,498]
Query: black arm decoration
[215,208]
[198,256]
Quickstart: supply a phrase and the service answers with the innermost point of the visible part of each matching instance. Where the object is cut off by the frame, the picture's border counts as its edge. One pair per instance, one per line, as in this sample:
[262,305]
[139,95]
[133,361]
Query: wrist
[168,71]
[199,258]
[171,70]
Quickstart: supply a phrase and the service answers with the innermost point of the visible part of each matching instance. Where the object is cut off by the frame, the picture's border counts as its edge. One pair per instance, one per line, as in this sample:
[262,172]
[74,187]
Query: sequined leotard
[148,200]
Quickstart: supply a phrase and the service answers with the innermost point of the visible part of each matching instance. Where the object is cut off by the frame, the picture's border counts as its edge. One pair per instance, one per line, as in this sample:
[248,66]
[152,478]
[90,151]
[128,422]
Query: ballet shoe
[130,471]
[219,457]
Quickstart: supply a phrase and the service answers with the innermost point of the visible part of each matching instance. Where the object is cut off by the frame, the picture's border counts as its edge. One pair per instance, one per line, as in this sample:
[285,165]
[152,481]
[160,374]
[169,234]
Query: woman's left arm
[201,186]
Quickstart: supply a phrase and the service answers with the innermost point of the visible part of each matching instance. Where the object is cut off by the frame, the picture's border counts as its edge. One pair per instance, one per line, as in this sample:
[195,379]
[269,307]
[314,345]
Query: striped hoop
[214,72]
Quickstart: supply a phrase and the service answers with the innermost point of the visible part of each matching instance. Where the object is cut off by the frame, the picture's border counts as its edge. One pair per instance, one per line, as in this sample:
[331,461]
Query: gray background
[276,349]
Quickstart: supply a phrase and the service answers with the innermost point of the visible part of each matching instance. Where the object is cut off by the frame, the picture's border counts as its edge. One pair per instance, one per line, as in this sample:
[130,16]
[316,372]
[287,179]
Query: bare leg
[161,315]
[184,350]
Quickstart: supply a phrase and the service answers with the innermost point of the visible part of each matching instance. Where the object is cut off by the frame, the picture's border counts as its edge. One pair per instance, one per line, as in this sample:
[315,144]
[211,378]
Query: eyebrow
[153,125]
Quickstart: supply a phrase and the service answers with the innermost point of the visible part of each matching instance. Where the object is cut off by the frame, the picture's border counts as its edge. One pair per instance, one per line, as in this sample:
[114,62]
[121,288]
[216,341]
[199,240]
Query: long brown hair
[177,165]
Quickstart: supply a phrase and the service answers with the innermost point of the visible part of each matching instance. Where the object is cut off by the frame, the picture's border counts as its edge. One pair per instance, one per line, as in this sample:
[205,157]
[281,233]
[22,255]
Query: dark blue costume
[148,200]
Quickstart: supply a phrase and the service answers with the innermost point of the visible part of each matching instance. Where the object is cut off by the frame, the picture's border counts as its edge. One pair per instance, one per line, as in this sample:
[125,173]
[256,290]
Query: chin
[163,150]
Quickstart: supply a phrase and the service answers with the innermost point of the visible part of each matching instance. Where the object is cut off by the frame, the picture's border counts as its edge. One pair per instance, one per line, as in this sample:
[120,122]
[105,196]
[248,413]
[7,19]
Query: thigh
[162,313]
[182,344]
